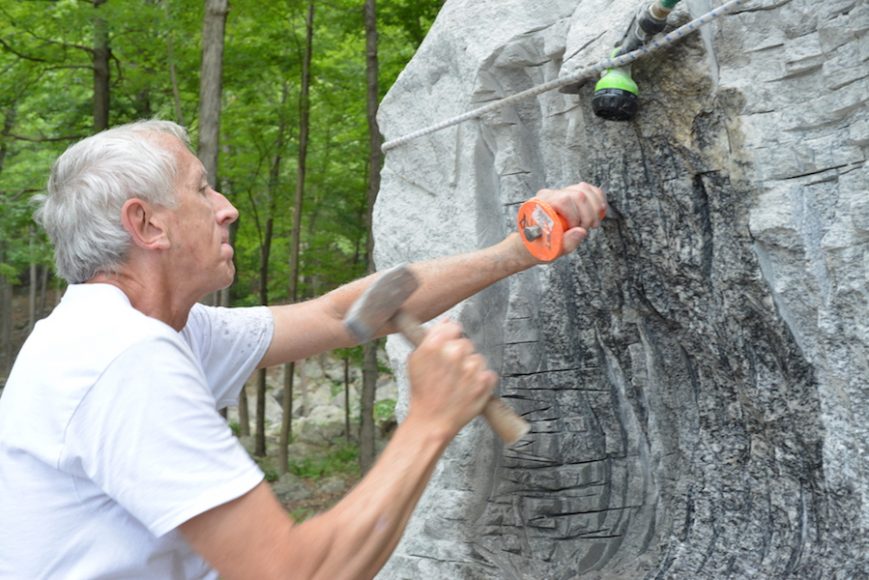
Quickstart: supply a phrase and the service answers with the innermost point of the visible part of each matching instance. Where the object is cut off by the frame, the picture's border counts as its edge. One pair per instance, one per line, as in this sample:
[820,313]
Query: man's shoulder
[102,310]
[62,360]
[87,330]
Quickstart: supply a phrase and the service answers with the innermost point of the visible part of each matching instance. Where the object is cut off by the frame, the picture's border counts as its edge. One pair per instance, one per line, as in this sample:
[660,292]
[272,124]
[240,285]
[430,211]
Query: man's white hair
[88,186]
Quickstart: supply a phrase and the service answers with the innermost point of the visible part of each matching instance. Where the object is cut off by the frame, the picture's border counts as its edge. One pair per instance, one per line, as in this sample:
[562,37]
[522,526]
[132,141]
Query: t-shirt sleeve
[149,435]
[230,343]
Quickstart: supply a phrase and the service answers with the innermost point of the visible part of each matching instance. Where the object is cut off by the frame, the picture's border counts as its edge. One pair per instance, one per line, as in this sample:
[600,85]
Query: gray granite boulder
[697,374]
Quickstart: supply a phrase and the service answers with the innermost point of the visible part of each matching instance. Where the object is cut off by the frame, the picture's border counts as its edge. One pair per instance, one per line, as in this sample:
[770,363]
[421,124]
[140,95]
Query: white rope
[574,78]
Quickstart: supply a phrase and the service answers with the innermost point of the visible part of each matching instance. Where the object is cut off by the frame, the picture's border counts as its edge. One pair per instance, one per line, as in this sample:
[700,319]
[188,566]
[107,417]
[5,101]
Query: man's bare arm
[253,537]
[316,326]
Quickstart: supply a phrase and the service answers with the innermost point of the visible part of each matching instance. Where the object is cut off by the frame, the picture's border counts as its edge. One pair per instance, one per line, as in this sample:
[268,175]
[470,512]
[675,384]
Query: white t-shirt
[110,437]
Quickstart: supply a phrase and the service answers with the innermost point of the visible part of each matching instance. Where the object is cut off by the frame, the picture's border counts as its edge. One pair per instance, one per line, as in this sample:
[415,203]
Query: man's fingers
[573,238]
[448,341]
[587,210]
[475,363]
[457,351]
[446,329]
[450,381]
[592,203]
[582,204]
[479,378]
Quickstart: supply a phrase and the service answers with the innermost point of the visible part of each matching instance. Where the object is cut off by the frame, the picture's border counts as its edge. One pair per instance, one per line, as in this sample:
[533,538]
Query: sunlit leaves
[46,95]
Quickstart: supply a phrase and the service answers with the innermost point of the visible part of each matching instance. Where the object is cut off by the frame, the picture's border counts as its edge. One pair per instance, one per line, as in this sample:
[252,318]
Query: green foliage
[402,25]
[301,514]
[336,387]
[384,410]
[341,460]
[354,353]
[270,471]
[46,104]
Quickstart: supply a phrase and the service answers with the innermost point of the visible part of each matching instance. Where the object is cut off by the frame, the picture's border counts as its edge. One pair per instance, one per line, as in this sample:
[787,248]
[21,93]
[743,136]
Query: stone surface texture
[697,374]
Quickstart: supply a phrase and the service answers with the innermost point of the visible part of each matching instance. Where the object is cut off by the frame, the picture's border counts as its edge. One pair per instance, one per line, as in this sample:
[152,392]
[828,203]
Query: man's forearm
[375,514]
[252,537]
[444,282]
[316,326]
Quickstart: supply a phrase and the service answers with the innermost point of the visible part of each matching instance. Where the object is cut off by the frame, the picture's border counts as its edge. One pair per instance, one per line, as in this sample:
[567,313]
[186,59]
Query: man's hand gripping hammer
[381,303]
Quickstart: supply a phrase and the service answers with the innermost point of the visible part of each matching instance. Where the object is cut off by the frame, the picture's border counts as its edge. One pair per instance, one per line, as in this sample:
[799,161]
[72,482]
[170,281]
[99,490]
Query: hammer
[381,303]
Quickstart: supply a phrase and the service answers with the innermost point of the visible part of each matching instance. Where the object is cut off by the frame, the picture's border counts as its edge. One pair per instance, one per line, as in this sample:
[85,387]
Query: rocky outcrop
[319,405]
[697,374]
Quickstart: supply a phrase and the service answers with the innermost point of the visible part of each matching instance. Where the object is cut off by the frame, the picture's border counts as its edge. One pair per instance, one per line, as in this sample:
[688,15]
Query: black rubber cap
[614,104]
[651,26]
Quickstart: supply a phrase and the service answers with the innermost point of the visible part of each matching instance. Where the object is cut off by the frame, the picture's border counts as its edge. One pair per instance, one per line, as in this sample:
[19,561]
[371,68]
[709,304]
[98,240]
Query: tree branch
[64,45]
[20,55]
[43,139]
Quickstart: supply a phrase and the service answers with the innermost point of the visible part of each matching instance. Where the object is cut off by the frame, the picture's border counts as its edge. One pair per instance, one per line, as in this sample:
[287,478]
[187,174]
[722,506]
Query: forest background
[280,100]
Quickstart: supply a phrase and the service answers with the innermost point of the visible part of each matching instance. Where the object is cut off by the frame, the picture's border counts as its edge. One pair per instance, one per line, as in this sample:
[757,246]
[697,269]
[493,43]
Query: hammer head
[379,303]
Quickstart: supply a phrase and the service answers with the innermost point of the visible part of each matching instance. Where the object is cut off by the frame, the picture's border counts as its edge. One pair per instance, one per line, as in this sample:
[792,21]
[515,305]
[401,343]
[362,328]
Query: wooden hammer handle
[409,326]
[503,420]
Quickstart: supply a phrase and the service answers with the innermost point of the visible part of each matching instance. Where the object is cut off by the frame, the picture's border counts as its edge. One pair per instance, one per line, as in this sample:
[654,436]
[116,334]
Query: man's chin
[226,280]
[230,278]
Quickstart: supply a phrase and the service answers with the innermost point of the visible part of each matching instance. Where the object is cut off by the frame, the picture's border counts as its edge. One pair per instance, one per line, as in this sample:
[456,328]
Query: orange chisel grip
[542,229]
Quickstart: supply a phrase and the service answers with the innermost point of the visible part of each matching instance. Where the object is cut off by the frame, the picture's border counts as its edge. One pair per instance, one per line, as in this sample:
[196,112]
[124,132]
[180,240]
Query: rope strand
[574,78]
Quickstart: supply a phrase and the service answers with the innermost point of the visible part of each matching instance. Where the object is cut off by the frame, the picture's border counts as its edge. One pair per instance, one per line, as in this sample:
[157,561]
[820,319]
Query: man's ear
[145,223]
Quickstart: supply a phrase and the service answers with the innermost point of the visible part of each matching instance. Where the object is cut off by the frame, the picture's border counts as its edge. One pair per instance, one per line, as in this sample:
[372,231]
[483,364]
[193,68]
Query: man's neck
[154,300]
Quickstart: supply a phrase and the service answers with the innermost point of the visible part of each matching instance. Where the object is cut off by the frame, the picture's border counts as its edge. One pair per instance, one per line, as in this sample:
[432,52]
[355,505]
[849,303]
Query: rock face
[697,374]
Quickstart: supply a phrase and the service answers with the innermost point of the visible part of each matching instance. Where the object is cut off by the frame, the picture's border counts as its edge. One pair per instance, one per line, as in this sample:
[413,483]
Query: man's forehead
[201,173]
[195,172]
[190,167]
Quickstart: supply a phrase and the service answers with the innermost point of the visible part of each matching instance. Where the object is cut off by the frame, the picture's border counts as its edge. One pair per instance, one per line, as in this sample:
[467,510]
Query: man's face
[200,252]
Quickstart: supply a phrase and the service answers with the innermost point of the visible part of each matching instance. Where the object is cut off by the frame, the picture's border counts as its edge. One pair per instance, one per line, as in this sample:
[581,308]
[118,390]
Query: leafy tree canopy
[47,94]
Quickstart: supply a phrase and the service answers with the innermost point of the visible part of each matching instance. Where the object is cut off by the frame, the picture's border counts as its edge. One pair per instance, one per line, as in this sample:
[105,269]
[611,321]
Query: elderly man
[114,461]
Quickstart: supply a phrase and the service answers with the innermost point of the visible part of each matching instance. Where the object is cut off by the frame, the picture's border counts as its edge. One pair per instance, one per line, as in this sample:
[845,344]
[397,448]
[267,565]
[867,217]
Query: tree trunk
[5,285]
[225,300]
[243,413]
[6,327]
[210,92]
[367,451]
[173,77]
[347,398]
[265,252]
[5,319]
[259,448]
[211,84]
[101,54]
[304,118]
[287,406]
[5,299]
[34,282]
[303,385]
[43,290]
[9,116]
[224,296]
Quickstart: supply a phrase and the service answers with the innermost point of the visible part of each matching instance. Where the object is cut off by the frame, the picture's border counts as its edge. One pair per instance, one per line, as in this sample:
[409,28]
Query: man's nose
[226,212]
